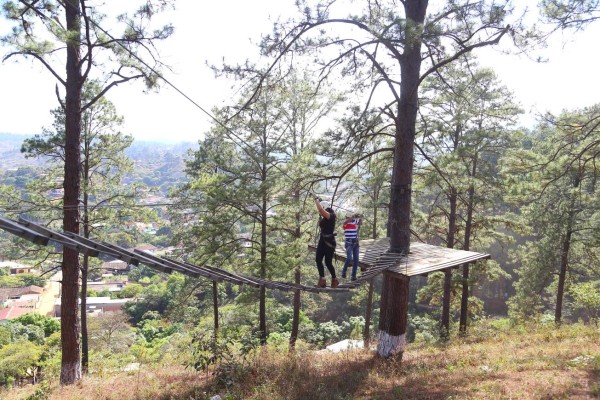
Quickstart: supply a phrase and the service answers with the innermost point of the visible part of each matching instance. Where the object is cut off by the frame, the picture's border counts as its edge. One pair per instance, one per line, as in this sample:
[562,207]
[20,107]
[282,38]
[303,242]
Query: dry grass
[543,363]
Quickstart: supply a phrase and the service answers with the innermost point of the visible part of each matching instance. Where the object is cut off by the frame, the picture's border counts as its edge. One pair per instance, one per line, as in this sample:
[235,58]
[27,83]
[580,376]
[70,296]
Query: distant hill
[10,152]
[157,164]
[141,150]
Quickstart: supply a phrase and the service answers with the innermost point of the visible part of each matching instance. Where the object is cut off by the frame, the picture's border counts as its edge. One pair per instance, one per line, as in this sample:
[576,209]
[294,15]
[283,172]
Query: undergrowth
[495,361]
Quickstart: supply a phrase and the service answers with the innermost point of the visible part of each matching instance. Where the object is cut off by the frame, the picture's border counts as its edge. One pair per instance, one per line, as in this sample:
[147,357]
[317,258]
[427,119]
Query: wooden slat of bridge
[40,234]
[422,259]
[373,255]
[23,232]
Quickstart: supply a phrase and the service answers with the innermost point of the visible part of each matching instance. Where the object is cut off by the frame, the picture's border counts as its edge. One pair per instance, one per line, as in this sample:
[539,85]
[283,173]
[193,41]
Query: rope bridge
[373,255]
[44,236]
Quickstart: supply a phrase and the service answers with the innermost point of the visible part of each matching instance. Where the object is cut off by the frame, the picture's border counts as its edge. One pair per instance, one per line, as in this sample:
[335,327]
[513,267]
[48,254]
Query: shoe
[322,283]
[344,274]
[334,283]
[353,279]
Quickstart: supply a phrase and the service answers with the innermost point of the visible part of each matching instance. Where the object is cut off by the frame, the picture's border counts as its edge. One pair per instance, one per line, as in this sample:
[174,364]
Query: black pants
[324,250]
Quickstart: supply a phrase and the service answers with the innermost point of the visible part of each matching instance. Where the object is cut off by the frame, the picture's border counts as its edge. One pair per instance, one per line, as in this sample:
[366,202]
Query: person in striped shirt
[351,228]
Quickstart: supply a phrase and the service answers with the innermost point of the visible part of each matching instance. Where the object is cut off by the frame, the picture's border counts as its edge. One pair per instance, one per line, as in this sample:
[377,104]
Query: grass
[491,363]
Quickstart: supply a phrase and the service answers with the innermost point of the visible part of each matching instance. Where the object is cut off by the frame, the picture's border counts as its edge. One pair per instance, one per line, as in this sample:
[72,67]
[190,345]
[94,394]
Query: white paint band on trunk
[388,345]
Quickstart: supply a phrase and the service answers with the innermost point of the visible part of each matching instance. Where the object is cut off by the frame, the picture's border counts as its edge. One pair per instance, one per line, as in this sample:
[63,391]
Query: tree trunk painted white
[393,314]
[389,345]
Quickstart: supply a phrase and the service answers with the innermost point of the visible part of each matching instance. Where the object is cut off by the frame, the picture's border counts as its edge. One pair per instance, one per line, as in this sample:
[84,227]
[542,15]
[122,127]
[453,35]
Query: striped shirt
[351,229]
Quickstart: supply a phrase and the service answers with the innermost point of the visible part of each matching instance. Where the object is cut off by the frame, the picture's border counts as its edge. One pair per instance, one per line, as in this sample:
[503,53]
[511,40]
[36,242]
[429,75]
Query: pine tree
[72,28]
[554,181]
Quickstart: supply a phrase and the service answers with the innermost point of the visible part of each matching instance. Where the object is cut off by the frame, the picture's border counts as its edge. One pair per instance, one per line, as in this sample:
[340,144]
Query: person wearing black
[326,246]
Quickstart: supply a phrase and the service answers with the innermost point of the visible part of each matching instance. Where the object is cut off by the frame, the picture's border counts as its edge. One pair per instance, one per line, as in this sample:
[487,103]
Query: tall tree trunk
[215,297]
[464,299]
[374,234]
[296,315]
[564,255]
[562,275]
[448,271]
[369,310]
[263,274]
[297,274]
[85,357]
[392,332]
[391,338]
[71,355]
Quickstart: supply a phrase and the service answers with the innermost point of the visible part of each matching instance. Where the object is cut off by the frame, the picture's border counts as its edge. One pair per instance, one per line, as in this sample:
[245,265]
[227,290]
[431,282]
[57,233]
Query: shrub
[18,360]
[48,324]
[31,333]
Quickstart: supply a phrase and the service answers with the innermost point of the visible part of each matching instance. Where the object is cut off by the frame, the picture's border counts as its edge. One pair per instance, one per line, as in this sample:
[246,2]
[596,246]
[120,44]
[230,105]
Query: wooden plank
[167,262]
[60,238]
[226,275]
[19,230]
[142,259]
[102,248]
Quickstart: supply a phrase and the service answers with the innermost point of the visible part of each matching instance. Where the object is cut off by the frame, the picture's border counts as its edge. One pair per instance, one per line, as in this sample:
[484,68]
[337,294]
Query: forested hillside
[159,165]
[195,269]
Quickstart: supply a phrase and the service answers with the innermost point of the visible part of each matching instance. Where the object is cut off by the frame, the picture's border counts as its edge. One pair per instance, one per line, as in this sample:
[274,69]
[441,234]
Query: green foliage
[152,329]
[325,334]
[130,291]
[31,333]
[423,329]
[51,356]
[174,296]
[353,328]
[153,298]
[17,359]
[141,274]
[574,14]
[22,280]
[555,188]
[48,324]
[10,281]
[586,300]
[228,358]
[282,318]
[5,334]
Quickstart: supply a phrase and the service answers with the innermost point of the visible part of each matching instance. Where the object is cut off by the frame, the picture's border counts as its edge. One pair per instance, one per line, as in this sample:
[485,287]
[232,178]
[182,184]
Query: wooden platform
[422,259]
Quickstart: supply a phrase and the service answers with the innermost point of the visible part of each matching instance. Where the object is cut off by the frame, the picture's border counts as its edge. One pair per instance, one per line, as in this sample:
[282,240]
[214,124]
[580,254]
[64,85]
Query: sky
[210,31]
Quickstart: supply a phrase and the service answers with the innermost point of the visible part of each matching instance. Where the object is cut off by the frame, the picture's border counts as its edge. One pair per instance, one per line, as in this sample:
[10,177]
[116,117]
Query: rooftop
[13,312]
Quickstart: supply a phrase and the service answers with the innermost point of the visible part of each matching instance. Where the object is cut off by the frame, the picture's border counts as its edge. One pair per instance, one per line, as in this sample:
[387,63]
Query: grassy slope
[493,363]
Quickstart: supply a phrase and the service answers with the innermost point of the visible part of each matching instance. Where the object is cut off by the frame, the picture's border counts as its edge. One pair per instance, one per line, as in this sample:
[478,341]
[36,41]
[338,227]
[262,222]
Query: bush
[22,280]
[423,329]
[48,324]
[18,360]
[130,291]
[31,333]
[586,300]
[228,357]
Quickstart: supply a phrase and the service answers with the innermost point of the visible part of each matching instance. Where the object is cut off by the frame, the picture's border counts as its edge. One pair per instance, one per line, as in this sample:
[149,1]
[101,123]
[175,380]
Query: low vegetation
[495,361]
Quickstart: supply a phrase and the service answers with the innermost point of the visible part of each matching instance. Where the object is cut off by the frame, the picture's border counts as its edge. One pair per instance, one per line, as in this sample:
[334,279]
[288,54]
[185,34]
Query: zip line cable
[211,116]
[188,98]
[97,207]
